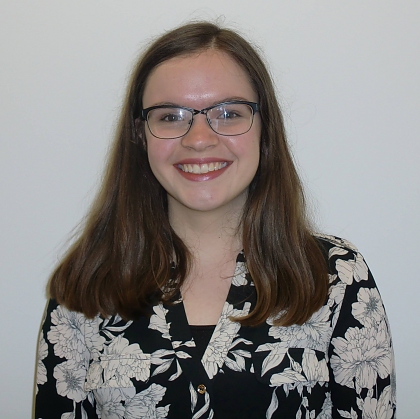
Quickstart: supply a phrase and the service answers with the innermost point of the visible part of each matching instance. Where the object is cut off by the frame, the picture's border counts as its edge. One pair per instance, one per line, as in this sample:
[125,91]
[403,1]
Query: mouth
[202,168]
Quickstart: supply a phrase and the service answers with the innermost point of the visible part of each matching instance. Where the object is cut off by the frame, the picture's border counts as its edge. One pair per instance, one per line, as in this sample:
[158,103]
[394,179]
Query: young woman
[196,288]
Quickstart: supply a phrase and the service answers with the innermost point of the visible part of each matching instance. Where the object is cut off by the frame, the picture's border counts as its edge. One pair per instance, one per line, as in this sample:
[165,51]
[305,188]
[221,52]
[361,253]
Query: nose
[200,136]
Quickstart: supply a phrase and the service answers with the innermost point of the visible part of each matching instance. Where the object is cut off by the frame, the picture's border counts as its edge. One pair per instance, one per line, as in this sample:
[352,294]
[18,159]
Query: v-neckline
[224,332]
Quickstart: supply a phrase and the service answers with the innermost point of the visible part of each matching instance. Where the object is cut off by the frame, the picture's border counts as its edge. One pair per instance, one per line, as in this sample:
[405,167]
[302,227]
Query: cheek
[158,153]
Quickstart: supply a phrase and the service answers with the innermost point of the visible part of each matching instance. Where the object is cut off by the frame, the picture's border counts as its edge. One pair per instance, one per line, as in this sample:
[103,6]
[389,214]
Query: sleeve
[63,360]
[362,373]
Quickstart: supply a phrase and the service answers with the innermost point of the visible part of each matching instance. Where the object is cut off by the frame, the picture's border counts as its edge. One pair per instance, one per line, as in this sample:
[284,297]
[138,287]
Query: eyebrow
[227,99]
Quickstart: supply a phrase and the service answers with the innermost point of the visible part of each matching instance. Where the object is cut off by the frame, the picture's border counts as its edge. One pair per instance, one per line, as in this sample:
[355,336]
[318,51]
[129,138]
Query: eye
[171,117]
[229,114]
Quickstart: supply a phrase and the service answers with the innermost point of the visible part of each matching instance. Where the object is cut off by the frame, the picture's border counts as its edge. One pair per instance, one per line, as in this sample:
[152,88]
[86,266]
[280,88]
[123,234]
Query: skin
[204,209]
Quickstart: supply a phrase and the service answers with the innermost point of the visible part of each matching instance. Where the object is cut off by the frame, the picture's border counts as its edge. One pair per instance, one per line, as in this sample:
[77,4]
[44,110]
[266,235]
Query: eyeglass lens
[226,119]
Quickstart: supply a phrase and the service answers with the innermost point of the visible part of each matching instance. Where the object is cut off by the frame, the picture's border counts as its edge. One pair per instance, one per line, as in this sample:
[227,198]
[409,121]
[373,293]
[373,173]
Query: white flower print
[378,409]
[102,363]
[225,331]
[70,378]
[314,370]
[73,335]
[122,361]
[143,405]
[314,334]
[158,321]
[239,277]
[361,356]
[352,269]
[368,308]
[41,376]
[108,403]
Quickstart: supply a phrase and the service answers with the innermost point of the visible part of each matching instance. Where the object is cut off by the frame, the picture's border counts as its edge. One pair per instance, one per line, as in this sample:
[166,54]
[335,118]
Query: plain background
[347,73]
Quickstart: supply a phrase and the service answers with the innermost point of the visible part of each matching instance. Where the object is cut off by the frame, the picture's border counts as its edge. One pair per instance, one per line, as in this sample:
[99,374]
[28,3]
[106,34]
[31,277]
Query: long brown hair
[123,258]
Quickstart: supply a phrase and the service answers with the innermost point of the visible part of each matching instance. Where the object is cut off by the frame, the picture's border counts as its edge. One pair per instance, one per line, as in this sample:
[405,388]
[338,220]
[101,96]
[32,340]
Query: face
[200,81]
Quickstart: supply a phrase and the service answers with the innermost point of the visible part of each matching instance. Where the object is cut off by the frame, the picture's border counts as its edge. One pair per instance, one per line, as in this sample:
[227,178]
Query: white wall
[347,72]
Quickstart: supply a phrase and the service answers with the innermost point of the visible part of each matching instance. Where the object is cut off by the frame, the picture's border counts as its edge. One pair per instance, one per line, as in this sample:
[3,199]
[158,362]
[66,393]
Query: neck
[207,233]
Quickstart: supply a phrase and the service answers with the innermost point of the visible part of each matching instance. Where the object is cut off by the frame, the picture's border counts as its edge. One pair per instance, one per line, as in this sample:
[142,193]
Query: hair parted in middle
[123,258]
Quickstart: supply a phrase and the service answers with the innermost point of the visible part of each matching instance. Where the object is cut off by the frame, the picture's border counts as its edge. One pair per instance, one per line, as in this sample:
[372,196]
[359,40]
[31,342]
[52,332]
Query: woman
[196,288]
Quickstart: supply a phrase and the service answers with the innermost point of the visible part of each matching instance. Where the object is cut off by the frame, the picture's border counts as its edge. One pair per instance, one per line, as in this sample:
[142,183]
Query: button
[201,388]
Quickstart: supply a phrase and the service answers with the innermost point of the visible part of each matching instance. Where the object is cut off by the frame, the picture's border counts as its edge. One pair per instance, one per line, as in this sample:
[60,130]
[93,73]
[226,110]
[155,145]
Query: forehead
[198,80]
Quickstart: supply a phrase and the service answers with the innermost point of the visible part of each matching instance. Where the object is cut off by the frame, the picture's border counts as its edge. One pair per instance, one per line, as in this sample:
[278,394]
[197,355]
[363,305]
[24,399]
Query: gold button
[201,388]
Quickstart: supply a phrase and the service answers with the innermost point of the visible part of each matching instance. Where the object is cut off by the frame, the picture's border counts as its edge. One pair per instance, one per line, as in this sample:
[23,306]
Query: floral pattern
[339,364]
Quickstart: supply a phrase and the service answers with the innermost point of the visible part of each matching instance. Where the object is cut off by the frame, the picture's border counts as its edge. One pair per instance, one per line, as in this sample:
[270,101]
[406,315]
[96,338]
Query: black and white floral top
[339,364]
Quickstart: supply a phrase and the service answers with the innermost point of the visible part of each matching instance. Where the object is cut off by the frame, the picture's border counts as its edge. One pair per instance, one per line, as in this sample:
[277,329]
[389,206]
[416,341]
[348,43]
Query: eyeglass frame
[253,105]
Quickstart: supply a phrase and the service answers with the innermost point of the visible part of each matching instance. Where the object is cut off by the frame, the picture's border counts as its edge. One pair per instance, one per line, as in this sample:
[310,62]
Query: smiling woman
[197,288]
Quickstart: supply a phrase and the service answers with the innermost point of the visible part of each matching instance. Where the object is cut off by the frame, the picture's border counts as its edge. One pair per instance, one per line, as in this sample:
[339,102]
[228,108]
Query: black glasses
[227,118]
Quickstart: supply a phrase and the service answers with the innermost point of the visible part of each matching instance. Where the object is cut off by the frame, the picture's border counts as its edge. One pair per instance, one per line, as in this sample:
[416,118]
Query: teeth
[202,168]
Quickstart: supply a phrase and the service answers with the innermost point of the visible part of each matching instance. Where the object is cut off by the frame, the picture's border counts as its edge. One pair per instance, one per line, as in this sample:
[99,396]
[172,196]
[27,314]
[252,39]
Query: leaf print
[188,343]
[234,365]
[361,356]
[144,404]
[337,251]
[182,355]
[238,341]
[295,365]
[344,414]
[194,397]
[352,269]
[84,414]
[361,269]
[345,270]
[368,308]
[177,374]
[286,377]
[239,363]
[204,409]
[275,357]
[70,378]
[68,415]
[274,404]
[119,329]
[156,356]
[158,321]
[163,367]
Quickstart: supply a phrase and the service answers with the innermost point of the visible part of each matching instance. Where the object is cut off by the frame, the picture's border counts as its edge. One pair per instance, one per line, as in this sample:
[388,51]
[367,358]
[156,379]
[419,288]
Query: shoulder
[345,263]
[328,242]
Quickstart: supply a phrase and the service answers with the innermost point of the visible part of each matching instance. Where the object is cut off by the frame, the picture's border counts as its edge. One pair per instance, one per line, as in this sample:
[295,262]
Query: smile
[202,168]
